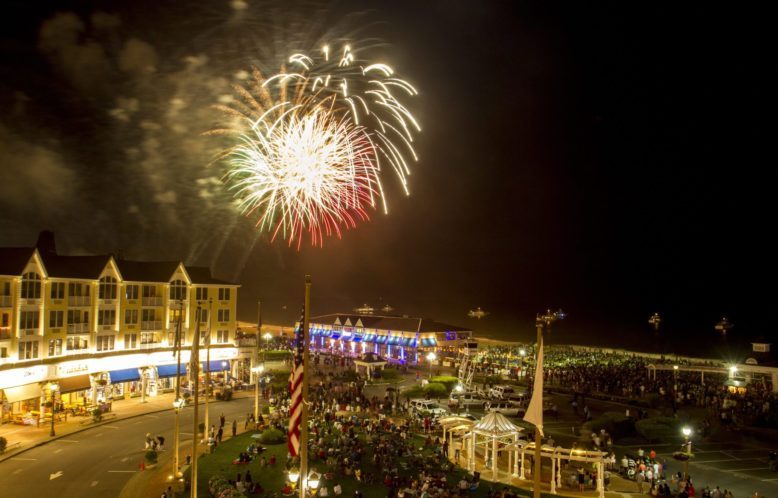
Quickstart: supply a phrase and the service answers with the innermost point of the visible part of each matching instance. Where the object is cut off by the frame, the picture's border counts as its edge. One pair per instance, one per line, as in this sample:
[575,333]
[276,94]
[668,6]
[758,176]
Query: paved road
[98,462]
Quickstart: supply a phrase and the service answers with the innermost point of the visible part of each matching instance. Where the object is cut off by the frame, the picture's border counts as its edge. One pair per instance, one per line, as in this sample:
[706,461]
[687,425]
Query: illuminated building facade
[86,329]
[400,339]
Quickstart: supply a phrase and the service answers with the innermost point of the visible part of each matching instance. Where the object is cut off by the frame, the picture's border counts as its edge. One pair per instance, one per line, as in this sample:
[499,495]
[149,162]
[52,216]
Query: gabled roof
[202,275]
[83,267]
[14,259]
[147,271]
[394,323]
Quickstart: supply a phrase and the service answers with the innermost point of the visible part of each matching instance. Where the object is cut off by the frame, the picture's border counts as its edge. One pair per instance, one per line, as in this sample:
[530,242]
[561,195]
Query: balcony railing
[79,300]
[78,328]
[6,301]
[151,325]
[152,301]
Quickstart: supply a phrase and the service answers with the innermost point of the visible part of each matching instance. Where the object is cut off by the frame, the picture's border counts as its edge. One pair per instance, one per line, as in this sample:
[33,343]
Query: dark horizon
[606,159]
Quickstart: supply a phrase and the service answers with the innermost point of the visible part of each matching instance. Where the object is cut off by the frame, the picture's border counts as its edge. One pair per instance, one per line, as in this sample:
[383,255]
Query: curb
[7,456]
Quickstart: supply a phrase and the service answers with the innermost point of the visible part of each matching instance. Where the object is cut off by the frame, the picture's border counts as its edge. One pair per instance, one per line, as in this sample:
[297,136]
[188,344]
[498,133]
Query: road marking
[138,423]
[702,462]
[54,476]
[186,433]
[125,459]
[68,440]
[151,416]
[99,434]
[57,450]
[111,427]
[749,469]
[94,483]
[25,459]
[122,471]
[17,471]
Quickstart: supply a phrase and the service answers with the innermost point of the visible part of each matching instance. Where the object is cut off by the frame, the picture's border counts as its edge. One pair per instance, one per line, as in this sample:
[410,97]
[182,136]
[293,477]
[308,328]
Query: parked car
[518,399]
[424,407]
[501,392]
[504,407]
[468,399]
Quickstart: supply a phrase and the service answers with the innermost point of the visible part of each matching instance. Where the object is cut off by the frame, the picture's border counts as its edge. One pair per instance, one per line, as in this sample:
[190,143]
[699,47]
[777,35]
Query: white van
[501,392]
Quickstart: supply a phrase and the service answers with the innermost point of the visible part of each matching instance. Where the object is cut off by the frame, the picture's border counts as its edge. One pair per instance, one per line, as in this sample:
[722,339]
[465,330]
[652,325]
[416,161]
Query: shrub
[658,428]
[447,380]
[493,379]
[150,456]
[3,444]
[436,390]
[616,424]
[97,415]
[272,436]
[216,483]
[388,374]
[277,355]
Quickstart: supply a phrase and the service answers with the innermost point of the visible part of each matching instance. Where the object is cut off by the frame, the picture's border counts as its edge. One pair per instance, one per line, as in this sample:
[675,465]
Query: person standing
[222,420]
[234,428]
[219,435]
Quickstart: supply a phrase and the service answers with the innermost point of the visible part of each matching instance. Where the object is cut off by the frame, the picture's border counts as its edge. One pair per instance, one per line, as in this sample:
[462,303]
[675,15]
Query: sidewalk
[25,437]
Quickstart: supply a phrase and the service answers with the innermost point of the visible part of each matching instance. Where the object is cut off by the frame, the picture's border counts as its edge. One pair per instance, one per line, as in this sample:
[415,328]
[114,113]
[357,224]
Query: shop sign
[72,368]
[21,376]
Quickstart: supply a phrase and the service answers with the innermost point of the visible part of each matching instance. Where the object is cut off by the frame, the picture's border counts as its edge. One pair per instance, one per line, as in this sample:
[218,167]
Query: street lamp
[687,432]
[522,354]
[53,389]
[267,336]
[257,371]
[293,476]
[314,478]
[655,320]
[430,358]
[542,321]
[675,378]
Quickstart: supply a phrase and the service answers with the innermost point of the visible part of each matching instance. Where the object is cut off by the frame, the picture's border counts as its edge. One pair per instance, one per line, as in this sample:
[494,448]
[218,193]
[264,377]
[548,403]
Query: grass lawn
[273,479]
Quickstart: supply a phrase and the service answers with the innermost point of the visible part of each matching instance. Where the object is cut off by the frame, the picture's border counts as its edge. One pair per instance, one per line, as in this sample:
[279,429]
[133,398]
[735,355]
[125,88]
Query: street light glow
[733,369]
[431,356]
[687,431]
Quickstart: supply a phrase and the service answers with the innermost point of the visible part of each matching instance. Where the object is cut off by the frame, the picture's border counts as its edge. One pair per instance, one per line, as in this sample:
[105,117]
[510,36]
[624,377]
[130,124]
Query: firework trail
[310,144]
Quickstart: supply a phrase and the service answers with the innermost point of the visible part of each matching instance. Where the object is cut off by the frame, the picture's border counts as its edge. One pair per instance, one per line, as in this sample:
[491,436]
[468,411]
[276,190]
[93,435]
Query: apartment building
[83,329]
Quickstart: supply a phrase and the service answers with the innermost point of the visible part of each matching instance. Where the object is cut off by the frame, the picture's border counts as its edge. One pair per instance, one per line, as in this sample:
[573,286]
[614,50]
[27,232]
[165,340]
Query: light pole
[53,389]
[542,321]
[522,354]
[267,336]
[208,363]
[687,432]
[195,370]
[178,403]
[675,380]
[431,357]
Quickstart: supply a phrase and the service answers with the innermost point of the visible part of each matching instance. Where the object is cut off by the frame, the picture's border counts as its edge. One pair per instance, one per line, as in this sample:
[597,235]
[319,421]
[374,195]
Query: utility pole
[306,374]
[195,368]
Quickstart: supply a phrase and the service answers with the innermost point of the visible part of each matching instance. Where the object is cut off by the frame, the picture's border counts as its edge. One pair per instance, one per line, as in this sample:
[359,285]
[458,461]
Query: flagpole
[538,466]
[304,402]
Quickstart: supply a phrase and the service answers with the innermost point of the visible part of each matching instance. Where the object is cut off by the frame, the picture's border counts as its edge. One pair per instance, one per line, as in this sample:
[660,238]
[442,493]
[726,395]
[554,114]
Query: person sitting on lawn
[272,460]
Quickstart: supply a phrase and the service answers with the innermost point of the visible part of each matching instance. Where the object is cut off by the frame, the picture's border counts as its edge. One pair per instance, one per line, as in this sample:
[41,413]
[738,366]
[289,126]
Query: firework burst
[311,144]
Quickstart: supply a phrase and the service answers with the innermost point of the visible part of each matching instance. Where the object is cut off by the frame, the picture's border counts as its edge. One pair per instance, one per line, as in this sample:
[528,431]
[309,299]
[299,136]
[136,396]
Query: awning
[170,370]
[124,375]
[370,338]
[394,340]
[20,393]
[215,366]
[335,335]
[410,342]
[346,337]
[380,339]
[72,384]
[357,338]
[429,341]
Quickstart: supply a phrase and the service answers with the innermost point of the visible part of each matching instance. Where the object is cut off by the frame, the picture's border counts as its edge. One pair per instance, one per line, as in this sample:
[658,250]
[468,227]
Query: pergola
[557,455]
[455,426]
[494,432]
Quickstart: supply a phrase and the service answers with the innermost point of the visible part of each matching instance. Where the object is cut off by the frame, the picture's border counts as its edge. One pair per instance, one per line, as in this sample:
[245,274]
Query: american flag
[296,390]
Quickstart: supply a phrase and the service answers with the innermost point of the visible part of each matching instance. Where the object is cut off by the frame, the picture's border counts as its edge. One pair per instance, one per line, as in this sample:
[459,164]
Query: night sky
[608,158]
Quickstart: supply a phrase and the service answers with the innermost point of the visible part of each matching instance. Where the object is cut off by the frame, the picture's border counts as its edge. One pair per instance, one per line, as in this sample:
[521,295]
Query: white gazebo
[494,432]
[455,427]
